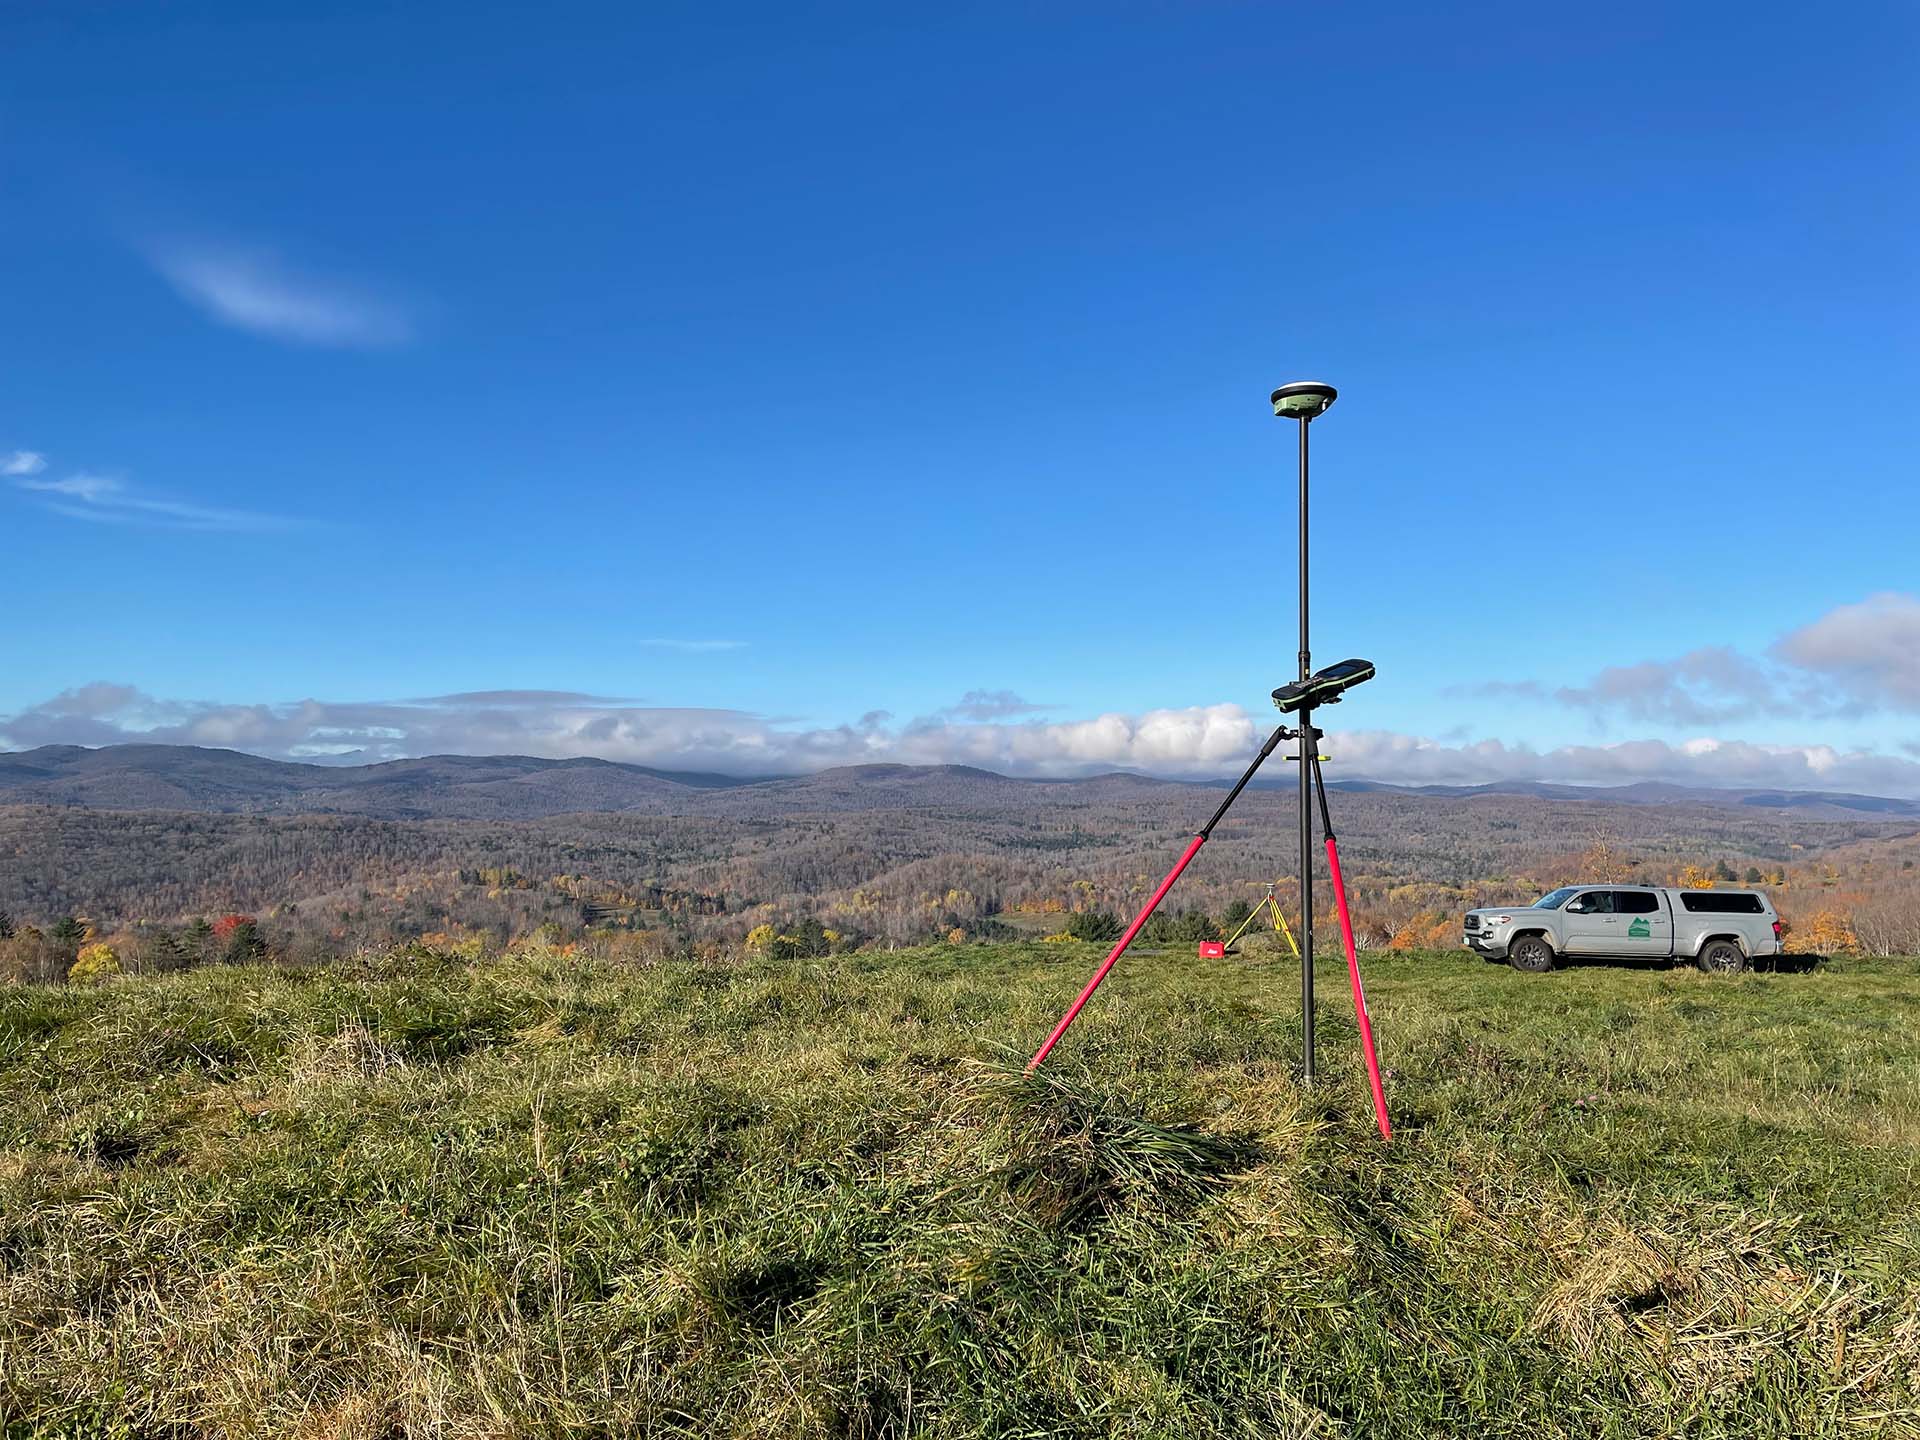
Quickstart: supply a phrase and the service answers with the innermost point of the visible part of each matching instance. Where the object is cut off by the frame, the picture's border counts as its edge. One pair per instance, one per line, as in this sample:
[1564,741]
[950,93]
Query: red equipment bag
[1212,950]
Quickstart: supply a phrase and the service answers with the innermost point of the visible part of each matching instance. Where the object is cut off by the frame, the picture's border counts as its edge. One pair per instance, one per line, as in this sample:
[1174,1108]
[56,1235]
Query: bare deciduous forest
[882,855]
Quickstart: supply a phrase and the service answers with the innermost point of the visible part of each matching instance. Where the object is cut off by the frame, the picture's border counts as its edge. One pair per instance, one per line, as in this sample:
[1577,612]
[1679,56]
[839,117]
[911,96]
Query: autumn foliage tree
[1824,932]
[237,939]
[94,963]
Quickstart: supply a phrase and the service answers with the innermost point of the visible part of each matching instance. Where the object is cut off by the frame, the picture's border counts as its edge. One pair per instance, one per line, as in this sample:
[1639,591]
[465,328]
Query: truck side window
[1709,902]
[1635,902]
[1594,902]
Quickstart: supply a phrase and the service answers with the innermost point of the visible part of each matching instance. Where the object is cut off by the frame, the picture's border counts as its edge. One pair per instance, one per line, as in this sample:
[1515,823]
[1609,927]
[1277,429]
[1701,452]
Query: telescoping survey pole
[1305,401]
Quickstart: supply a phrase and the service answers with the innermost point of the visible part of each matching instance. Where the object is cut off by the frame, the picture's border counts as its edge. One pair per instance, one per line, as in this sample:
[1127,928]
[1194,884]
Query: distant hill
[520,787]
[1808,804]
[227,782]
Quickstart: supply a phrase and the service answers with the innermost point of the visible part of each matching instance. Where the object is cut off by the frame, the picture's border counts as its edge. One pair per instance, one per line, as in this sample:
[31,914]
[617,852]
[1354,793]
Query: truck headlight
[1497,920]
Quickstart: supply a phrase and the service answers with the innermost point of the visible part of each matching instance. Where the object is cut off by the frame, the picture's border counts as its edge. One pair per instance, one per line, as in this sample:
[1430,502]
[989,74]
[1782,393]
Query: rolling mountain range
[517,787]
[154,832]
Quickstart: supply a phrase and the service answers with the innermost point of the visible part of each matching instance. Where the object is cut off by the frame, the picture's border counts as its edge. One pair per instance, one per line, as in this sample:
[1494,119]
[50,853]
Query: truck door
[1589,926]
[1644,925]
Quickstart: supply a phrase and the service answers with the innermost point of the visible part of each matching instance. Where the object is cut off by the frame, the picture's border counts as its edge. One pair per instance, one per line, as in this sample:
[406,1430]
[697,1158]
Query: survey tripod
[1322,688]
[1269,901]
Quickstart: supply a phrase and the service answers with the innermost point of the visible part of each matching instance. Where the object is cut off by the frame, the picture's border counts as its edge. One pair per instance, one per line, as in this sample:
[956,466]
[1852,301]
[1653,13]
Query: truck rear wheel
[1723,957]
[1532,954]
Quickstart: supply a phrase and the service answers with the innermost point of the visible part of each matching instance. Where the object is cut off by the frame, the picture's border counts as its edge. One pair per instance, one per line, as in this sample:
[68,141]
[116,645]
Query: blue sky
[695,383]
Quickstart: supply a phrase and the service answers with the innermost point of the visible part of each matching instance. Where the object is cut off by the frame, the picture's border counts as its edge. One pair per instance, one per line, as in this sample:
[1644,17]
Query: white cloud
[105,499]
[257,292]
[1208,741]
[23,462]
[1871,650]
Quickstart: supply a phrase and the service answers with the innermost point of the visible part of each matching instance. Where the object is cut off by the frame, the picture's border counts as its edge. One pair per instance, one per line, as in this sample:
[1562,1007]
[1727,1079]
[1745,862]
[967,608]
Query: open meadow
[410,1194]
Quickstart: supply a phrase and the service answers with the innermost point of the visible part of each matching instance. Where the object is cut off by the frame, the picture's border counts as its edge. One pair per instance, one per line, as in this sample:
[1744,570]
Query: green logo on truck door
[1639,929]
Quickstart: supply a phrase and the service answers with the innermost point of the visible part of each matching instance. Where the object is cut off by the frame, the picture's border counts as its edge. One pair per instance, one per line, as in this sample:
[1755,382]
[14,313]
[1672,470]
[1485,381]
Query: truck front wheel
[1532,954]
[1723,957]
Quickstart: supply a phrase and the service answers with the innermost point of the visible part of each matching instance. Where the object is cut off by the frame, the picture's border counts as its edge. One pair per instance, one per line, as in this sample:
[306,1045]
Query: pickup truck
[1721,931]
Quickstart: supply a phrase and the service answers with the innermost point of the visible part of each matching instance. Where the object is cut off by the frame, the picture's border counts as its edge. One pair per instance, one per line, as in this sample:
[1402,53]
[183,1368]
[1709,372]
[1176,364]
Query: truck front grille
[1473,922]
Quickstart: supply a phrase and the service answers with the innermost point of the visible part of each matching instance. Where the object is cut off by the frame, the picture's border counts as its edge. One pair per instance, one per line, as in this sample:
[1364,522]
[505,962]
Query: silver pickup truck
[1722,931]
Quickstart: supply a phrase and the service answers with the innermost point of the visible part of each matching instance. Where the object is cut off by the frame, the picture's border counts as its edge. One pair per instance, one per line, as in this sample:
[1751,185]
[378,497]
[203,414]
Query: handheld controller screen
[1323,687]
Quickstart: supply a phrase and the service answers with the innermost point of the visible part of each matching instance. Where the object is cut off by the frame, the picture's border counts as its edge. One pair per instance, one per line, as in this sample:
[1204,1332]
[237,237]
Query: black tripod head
[1323,687]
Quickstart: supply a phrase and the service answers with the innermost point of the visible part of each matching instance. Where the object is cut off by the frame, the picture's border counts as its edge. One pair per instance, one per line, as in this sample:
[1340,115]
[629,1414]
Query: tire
[1722,957]
[1531,954]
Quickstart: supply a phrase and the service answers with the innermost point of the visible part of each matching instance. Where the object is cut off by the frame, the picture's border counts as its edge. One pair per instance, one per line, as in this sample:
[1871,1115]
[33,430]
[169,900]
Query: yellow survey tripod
[1271,902]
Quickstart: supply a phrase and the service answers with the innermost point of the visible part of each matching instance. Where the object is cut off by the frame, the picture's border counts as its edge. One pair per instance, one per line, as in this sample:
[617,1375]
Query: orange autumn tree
[226,925]
[1824,932]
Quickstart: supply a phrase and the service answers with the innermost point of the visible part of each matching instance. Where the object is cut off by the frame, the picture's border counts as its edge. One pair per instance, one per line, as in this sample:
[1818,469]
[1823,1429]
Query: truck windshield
[1554,899]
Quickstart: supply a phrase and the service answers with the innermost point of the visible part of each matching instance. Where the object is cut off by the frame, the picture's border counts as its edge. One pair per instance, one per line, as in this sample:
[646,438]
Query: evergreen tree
[1194,925]
[244,944]
[1098,926]
[164,950]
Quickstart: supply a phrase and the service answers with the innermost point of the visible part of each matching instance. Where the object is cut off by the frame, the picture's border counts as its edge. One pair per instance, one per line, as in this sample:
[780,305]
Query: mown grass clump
[539,1195]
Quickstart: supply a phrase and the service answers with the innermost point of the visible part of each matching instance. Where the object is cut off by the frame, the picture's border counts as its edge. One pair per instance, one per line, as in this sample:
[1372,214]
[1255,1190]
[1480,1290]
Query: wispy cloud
[23,462]
[994,705]
[695,647]
[1201,741]
[520,699]
[256,291]
[1709,686]
[77,487]
[1854,659]
[110,500]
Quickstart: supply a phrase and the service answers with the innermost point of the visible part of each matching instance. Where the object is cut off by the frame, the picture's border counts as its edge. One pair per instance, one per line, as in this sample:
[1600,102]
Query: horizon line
[770,778]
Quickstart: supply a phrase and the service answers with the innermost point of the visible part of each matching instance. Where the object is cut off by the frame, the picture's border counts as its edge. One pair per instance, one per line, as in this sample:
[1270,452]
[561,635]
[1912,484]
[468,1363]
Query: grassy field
[534,1195]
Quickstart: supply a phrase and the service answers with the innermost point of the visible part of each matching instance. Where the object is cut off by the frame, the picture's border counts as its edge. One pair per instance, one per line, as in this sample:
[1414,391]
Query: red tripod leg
[1359,995]
[1193,848]
[1117,951]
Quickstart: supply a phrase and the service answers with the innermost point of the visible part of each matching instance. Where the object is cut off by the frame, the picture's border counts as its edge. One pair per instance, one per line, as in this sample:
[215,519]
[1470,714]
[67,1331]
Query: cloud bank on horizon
[1857,658]
[1202,741]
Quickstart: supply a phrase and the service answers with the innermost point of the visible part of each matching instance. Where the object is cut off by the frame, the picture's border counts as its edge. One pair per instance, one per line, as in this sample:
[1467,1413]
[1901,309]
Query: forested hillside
[894,854]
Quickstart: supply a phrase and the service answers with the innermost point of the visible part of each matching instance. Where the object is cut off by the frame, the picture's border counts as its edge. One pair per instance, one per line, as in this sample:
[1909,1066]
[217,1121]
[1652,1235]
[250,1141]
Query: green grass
[538,1195]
